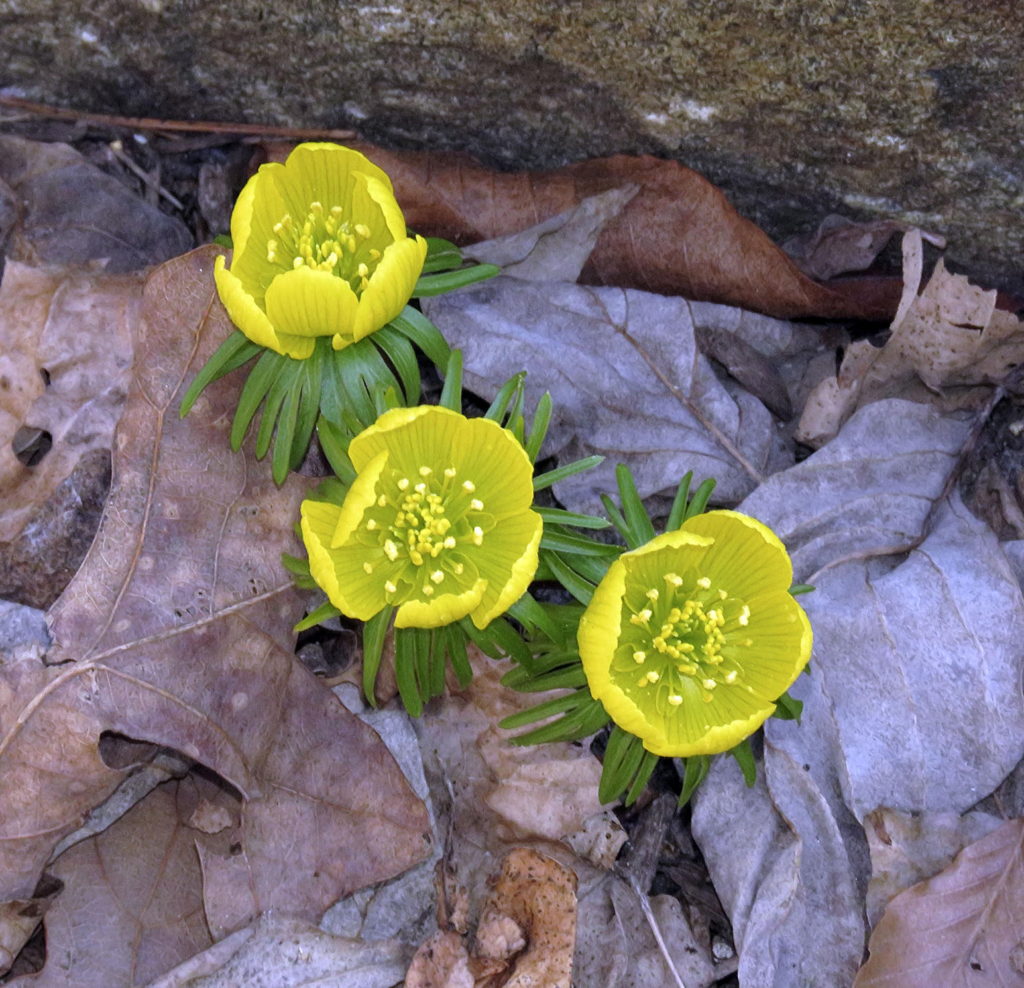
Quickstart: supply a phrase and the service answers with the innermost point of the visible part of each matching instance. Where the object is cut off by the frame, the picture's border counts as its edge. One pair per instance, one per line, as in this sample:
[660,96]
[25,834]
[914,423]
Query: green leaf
[799,588]
[499,406]
[397,348]
[563,542]
[558,516]
[788,708]
[678,510]
[699,502]
[278,393]
[695,769]
[405,670]
[335,447]
[587,718]
[451,393]
[633,508]
[442,255]
[544,480]
[745,759]
[324,612]
[438,284]
[285,438]
[579,587]
[236,350]
[412,324]
[617,519]
[374,632]
[539,427]
[648,763]
[456,649]
[532,615]
[260,380]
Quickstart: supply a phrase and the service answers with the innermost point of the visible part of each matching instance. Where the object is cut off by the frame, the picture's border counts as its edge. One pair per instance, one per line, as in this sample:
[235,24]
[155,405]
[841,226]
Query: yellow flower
[689,639]
[320,249]
[438,522]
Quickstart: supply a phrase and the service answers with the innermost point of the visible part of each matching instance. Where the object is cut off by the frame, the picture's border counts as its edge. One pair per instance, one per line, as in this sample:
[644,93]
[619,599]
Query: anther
[437,576]
[476,504]
[709,684]
[468,485]
[428,590]
[744,617]
[478,536]
[449,472]
[367,568]
[391,550]
[675,699]
[425,471]
[652,594]
[704,583]
[639,656]
[673,579]
[403,484]
[389,587]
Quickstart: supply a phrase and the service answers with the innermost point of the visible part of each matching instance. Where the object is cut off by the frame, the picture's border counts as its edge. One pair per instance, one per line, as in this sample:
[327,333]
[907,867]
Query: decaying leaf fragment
[64,372]
[950,336]
[177,631]
[525,937]
[963,927]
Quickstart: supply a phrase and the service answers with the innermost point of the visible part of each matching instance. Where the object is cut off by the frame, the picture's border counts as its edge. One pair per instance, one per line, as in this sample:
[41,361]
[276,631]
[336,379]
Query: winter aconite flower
[320,249]
[437,523]
[690,639]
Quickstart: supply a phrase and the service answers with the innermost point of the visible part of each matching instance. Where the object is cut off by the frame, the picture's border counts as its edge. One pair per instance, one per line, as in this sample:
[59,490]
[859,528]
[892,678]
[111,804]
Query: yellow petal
[748,557]
[718,738]
[508,561]
[304,302]
[383,195]
[241,215]
[361,496]
[242,308]
[440,610]
[327,173]
[338,573]
[390,286]
[408,449]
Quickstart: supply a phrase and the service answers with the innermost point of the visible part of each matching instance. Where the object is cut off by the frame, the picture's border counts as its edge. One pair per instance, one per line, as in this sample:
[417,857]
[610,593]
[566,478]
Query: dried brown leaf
[530,920]
[177,631]
[64,372]
[963,927]
[132,903]
[442,961]
[950,336]
[678,236]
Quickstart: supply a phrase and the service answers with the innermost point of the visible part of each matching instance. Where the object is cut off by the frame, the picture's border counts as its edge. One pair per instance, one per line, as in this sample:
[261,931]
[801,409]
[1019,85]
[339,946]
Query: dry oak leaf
[961,929]
[64,372]
[177,631]
[132,902]
[678,236]
[952,335]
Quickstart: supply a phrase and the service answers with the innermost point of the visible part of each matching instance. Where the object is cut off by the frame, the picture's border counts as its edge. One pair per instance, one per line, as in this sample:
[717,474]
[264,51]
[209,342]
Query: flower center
[324,241]
[682,636]
[422,525]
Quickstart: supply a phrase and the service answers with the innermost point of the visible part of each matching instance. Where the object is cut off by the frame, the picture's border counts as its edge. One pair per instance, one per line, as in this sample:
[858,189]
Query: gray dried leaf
[912,704]
[72,213]
[627,381]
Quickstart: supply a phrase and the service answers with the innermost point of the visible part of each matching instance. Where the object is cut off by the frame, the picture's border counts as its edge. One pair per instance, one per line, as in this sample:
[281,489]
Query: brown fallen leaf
[177,631]
[951,336]
[19,919]
[678,236]
[441,961]
[64,372]
[132,903]
[963,927]
[529,921]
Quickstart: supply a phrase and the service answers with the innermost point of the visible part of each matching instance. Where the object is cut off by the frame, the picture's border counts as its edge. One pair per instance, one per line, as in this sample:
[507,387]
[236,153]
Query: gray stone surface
[866,107]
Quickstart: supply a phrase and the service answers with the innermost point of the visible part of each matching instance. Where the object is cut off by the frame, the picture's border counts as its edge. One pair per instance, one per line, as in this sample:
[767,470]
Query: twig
[144,176]
[191,126]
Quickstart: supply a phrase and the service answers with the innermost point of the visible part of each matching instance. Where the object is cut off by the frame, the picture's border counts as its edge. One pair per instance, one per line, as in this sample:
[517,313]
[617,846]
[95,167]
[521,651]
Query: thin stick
[191,126]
